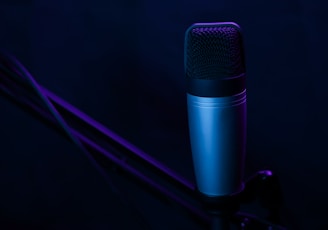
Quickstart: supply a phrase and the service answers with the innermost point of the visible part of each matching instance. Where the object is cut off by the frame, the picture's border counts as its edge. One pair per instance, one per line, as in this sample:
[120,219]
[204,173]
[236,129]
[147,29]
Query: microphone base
[220,205]
[224,210]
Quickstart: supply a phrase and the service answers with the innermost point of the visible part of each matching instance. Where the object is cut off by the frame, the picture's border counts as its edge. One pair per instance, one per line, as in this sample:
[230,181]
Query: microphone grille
[213,51]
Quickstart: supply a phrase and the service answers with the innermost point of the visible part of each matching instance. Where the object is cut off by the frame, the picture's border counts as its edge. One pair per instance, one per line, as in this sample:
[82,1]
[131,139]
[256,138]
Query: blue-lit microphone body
[216,97]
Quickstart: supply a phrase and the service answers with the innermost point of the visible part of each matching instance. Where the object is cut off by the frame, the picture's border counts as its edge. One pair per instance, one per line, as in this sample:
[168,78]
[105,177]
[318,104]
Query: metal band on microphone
[216,87]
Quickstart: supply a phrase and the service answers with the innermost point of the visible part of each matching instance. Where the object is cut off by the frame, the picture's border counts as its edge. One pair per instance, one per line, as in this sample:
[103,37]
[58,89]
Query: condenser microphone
[216,97]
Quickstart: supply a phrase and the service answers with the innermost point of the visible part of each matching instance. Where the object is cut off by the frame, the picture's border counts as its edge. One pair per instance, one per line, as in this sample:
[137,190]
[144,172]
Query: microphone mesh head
[214,51]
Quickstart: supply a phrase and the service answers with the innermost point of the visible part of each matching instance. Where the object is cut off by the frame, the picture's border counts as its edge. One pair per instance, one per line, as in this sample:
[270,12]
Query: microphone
[216,98]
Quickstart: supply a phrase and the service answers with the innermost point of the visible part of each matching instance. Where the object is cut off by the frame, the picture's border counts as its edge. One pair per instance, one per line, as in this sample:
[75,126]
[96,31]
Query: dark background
[122,63]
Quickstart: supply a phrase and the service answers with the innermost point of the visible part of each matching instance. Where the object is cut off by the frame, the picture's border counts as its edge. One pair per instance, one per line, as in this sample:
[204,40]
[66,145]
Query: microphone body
[216,99]
[217,135]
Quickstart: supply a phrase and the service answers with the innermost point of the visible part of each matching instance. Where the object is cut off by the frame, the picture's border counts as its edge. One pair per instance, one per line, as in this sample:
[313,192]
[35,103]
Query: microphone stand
[262,186]
[219,223]
[222,210]
[112,151]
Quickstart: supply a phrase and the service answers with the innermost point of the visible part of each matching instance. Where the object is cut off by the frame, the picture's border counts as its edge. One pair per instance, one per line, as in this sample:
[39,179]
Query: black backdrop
[122,63]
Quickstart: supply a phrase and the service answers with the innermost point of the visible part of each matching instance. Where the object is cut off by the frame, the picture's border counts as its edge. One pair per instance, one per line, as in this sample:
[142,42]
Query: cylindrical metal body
[218,137]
